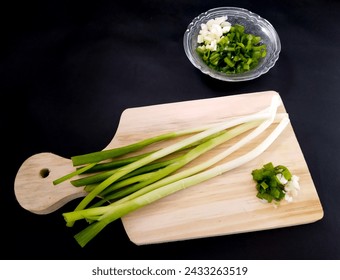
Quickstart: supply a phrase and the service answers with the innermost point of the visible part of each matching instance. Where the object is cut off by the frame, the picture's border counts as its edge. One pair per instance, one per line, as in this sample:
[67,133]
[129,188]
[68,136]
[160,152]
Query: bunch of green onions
[122,184]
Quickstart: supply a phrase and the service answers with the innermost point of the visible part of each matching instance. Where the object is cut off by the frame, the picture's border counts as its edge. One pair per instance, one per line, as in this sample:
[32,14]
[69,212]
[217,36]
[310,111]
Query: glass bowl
[253,23]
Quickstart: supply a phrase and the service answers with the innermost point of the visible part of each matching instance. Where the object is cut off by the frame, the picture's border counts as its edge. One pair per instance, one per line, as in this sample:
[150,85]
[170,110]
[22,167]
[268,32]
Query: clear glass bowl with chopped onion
[253,24]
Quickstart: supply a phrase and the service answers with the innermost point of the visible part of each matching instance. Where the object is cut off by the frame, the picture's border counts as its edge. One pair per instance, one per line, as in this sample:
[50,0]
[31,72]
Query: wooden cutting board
[224,205]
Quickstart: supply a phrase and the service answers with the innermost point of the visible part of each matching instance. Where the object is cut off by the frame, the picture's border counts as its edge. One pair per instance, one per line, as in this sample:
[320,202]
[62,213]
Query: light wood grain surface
[224,205]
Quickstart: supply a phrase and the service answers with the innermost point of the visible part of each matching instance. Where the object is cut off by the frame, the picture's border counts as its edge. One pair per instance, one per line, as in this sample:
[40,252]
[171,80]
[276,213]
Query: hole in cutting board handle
[44,173]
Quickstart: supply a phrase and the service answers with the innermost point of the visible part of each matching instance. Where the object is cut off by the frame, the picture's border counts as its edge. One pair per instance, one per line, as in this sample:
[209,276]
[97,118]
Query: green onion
[96,157]
[269,186]
[147,185]
[107,154]
[122,171]
[135,183]
[236,51]
[72,174]
[102,216]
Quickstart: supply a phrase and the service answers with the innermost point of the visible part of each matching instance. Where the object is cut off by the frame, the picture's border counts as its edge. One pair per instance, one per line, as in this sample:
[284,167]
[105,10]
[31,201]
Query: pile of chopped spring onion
[274,183]
[228,48]
[118,184]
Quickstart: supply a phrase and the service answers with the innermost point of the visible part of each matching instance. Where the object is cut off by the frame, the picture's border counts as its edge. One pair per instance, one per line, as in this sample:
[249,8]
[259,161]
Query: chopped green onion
[271,182]
[230,50]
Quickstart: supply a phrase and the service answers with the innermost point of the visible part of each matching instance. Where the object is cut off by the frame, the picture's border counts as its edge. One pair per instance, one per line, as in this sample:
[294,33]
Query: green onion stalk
[122,171]
[148,187]
[102,216]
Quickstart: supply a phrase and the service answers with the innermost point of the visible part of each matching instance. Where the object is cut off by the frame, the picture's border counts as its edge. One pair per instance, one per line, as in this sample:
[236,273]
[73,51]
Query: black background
[69,68]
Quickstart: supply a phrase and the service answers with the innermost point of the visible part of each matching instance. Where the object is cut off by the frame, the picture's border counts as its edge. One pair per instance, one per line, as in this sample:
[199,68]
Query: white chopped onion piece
[212,32]
[292,188]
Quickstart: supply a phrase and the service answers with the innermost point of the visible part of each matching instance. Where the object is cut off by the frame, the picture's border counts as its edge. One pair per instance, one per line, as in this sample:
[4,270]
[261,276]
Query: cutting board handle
[34,187]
